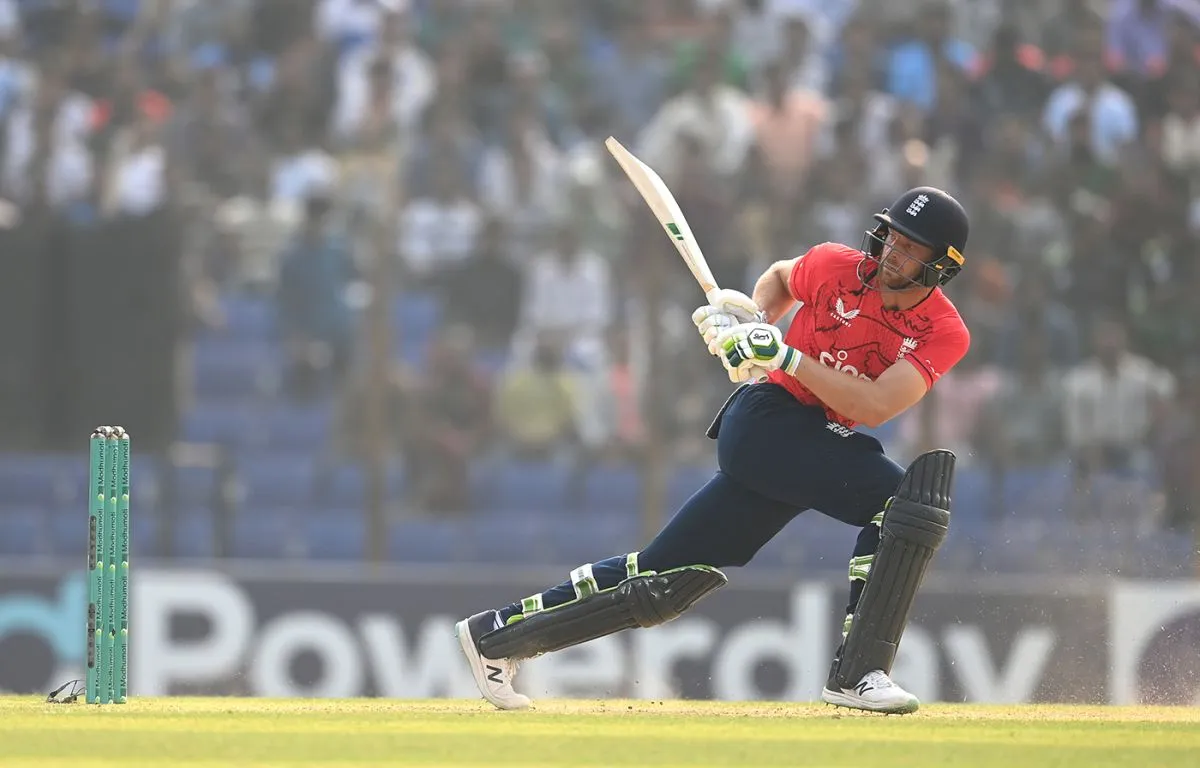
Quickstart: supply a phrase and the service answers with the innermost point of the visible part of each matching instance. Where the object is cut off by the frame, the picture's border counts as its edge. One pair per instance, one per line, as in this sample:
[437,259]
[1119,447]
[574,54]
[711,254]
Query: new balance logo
[843,315]
[493,674]
[863,687]
[906,346]
[916,205]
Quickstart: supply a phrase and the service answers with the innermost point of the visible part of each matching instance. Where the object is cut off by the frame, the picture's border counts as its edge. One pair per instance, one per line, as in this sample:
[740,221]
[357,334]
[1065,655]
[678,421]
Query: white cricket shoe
[493,676]
[875,693]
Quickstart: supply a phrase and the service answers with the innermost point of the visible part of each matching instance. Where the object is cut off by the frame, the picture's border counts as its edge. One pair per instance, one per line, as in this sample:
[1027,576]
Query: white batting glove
[738,304]
[752,347]
[710,321]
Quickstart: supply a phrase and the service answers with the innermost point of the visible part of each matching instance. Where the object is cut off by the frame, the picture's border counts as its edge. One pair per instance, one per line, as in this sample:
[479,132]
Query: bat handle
[711,294]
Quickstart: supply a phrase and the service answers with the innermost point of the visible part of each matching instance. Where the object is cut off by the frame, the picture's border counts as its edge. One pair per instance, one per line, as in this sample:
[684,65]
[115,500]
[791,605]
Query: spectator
[1138,34]
[1037,311]
[486,62]
[1111,115]
[1182,60]
[371,119]
[860,48]
[714,40]
[1022,422]
[560,71]
[447,137]
[755,31]
[535,91]
[445,422]
[125,103]
[440,231]
[486,289]
[191,25]
[1061,32]
[315,321]
[46,159]
[803,67]
[138,179]
[521,180]
[1012,77]
[632,74]
[712,112]
[211,142]
[392,64]
[787,122]
[536,404]
[955,132]
[860,114]
[348,25]
[568,295]
[1180,131]
[916,64]
[1115,402]
[297,92]
[300,166]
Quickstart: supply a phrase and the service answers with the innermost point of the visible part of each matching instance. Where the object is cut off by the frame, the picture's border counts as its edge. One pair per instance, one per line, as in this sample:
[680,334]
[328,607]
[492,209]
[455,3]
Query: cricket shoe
[493,676]
[874,693]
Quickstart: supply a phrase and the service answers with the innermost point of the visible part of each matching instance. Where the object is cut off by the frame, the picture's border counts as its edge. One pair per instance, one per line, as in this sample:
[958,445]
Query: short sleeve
[801,282]
[941,352]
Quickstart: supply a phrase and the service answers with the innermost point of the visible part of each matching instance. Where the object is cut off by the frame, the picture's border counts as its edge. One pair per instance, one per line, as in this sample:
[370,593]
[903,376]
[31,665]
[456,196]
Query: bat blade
[662,203]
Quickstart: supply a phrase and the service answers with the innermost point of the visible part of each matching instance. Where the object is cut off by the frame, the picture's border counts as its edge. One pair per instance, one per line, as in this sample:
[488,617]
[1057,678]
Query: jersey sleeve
[940,353]
[802,280]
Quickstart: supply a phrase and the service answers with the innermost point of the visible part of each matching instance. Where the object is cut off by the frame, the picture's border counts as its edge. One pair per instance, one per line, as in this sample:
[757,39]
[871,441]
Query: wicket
[108,567]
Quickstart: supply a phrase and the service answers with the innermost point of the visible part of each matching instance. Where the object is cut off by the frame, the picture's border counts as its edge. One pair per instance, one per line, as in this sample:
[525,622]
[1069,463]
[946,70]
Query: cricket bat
[656,194]
[662,203]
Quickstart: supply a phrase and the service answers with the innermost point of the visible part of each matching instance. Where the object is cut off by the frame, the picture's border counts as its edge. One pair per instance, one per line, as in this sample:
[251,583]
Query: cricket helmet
[930,217]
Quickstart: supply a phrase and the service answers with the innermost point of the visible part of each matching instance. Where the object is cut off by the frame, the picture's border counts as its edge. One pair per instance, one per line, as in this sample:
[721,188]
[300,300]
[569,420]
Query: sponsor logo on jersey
[837,361]
[843,315]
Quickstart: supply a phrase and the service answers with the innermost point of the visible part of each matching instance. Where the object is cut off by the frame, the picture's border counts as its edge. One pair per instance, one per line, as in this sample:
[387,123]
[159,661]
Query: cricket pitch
[254,733]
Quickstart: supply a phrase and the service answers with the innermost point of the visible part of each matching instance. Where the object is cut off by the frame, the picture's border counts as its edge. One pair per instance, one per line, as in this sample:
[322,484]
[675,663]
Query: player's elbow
[876,413]
[874,420]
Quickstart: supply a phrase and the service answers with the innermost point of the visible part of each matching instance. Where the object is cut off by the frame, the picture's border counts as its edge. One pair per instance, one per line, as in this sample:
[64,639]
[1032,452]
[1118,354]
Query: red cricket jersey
[843,325]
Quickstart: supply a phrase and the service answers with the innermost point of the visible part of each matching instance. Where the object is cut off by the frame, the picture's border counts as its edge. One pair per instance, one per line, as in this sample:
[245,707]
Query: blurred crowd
[327,152]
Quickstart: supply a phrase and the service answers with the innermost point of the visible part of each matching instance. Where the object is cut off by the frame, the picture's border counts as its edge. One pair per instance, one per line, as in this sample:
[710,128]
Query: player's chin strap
[642,599]
[915,523]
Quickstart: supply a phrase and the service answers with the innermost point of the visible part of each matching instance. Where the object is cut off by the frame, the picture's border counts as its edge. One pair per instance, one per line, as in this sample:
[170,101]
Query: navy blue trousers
[776,458]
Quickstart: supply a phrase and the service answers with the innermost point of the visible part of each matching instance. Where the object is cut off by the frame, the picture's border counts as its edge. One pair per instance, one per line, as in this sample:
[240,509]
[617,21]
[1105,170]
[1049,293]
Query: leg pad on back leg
[642,600]
[915,523]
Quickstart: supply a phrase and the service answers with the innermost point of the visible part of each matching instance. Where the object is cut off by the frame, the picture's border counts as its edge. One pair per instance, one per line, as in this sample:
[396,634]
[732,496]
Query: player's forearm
[771,292]
[847,395]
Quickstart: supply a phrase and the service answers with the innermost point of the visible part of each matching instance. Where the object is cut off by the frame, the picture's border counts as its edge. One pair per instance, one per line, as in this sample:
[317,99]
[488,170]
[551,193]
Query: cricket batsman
[872,334]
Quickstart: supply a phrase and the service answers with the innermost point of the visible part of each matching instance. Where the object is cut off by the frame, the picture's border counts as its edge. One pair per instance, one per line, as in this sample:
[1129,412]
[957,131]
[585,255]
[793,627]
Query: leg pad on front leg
[643,599]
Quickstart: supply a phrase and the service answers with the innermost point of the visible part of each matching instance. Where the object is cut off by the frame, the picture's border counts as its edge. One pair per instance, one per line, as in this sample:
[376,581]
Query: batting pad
[639,601]
[915,524]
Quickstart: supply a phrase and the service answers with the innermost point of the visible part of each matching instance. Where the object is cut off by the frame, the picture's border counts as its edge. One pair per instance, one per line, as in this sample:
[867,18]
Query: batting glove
[737,304]
[711,321]
[755,346]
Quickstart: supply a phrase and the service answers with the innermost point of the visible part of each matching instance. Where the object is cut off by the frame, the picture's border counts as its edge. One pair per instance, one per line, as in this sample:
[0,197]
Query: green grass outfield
[372,732]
